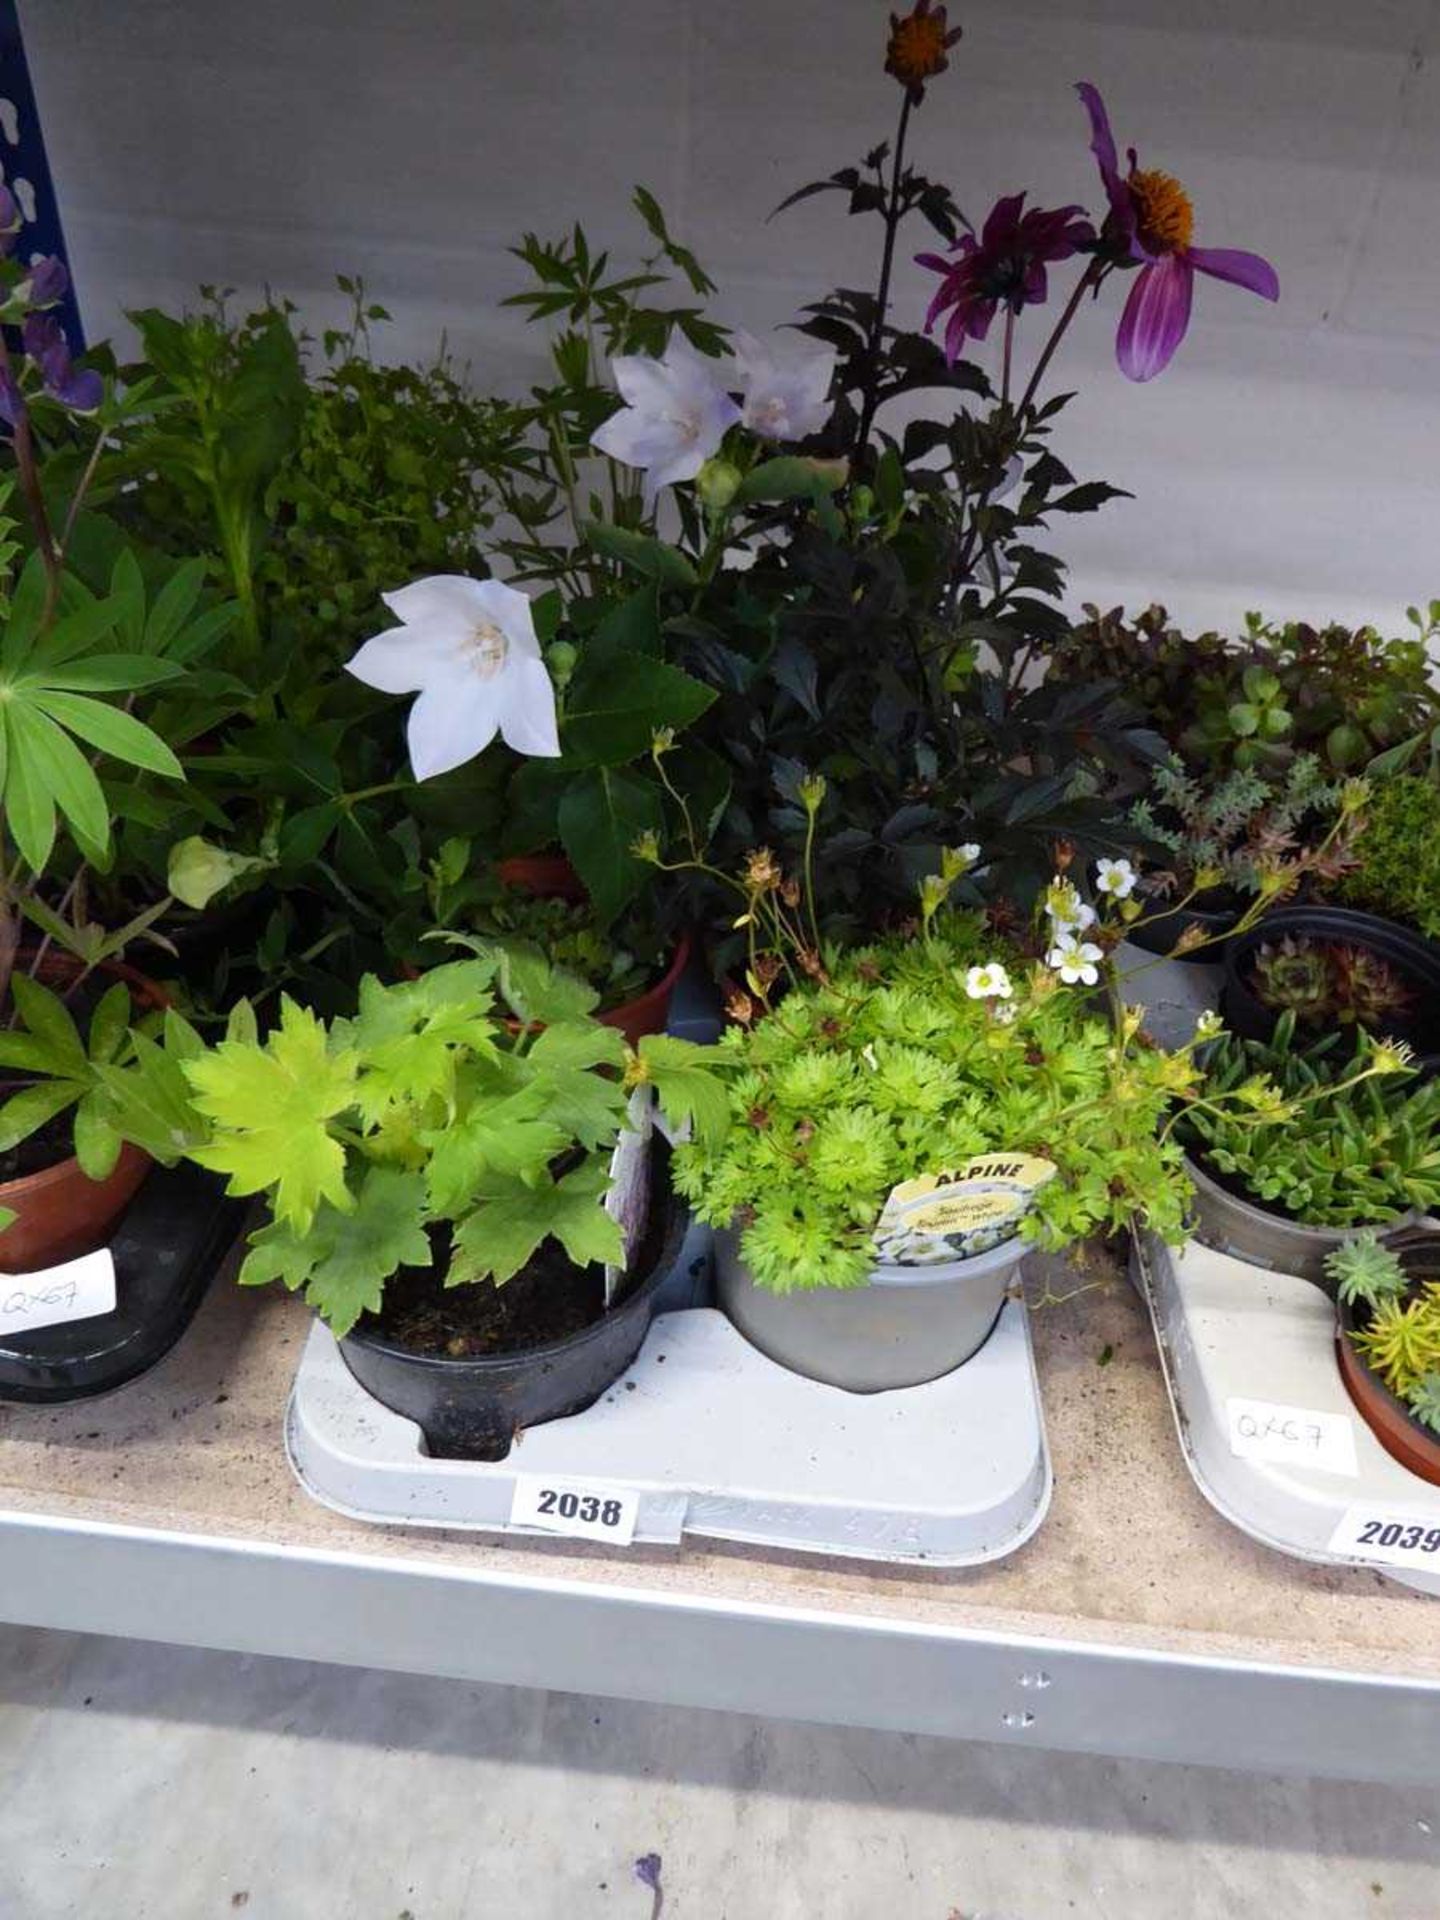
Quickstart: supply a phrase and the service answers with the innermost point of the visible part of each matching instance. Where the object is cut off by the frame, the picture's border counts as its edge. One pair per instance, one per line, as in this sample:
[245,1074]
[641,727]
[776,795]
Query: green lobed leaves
[343,1259]
[269,1105]
[430,1105]
[511,1218]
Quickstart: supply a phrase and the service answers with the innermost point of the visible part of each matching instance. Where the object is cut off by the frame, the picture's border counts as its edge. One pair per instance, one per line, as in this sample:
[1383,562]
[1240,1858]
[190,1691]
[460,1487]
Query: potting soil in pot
[46,1147]
[549,1299]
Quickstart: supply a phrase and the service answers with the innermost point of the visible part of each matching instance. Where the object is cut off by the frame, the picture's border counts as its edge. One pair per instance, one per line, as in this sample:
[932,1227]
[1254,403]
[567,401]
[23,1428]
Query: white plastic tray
[1231,1331]
[719,1441]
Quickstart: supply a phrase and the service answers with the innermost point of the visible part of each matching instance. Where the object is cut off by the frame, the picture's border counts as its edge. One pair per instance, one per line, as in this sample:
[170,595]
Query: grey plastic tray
[1231,1332]
[719,1441]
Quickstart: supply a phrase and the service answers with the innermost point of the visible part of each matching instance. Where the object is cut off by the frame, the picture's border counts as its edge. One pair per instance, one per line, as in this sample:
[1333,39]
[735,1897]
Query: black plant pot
[166,1251]
[1411,954]
[1159,933]
[473,1409]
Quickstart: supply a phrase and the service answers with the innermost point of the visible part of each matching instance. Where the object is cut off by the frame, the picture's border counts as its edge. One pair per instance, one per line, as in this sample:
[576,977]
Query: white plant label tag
[75,1290]
[1295,1436]
[586,1512]
[1393,1536]
[628,1200]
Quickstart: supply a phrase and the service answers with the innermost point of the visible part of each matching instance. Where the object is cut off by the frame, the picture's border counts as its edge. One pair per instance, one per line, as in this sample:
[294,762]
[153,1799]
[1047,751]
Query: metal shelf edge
[695,1650]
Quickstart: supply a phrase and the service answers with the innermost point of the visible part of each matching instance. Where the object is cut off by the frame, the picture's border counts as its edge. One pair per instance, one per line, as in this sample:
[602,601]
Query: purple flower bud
[49,282]
[45,344]
[647,1871]
[12,401]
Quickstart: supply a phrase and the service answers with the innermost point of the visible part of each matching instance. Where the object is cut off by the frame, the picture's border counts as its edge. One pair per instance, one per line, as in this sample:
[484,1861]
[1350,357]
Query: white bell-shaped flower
[468,648]
[786,386]
[677,411]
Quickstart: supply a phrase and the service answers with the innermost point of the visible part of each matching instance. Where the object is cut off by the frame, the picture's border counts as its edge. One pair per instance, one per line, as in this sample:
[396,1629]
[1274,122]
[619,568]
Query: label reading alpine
[1298,1436]
[585,1511]
[962,1211]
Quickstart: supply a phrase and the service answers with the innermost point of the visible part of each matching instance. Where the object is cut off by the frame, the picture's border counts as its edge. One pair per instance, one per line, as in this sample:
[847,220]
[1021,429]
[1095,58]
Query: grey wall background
[1287,459]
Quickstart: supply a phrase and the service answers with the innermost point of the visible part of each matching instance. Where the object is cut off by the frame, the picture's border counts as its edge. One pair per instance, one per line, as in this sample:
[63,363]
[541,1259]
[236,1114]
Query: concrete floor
[154,1783]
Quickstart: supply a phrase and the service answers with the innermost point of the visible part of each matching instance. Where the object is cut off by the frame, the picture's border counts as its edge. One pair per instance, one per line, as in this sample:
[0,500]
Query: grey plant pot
[1239,1227]
[905,1326]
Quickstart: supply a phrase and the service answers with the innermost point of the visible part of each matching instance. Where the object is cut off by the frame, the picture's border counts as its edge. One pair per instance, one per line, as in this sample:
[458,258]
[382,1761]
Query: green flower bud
[560,659]
[718,482]
[812,791]
[198,870]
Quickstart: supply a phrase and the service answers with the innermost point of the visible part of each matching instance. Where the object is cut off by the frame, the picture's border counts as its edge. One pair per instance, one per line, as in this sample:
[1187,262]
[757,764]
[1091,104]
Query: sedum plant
[909,1057]
[1397,854]
[1263,697]
[478,1105]
[1329,1137]
[1238,829]
[1365,1272]
[1400,1340]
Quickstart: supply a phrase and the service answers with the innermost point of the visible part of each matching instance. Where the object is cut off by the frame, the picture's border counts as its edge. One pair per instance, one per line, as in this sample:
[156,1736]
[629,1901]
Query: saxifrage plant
[908,1057]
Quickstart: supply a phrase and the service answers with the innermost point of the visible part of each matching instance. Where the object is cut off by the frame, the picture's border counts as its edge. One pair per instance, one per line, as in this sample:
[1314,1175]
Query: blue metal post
[24,167]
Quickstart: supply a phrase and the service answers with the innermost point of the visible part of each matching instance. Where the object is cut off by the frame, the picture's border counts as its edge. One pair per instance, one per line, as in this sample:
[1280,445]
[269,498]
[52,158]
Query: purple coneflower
[1151,220]
[1005,266]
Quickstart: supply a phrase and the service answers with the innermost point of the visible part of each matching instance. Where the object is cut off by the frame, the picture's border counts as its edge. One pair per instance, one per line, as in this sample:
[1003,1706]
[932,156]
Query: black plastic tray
[167,1248]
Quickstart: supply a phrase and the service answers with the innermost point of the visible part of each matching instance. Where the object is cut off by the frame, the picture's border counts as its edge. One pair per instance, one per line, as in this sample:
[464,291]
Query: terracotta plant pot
[1403,1437]
[60,1211]
[650,1011]
[550,876]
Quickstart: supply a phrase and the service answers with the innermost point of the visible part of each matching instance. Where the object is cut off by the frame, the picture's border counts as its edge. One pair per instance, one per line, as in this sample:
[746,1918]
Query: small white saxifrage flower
[1068,913]
[989,982]
[1116,878]
[468,648]
[676,413]
[1074,960]
[786,386]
